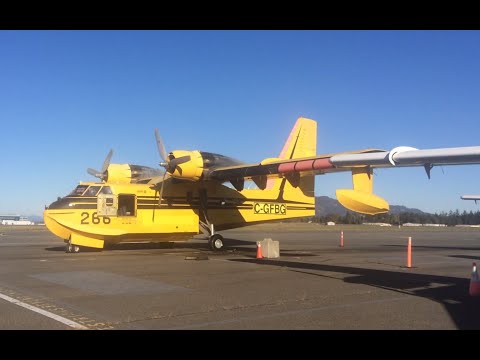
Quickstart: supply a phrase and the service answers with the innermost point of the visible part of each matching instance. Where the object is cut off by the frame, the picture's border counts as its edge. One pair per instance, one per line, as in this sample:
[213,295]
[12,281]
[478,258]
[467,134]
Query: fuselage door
[127,205]
[107,205]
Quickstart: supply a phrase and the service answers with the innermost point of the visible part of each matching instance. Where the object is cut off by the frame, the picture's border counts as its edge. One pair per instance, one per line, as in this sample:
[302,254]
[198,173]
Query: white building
[15,220]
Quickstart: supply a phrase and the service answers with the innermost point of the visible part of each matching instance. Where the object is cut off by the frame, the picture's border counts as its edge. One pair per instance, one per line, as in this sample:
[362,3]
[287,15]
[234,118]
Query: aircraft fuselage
[98,213]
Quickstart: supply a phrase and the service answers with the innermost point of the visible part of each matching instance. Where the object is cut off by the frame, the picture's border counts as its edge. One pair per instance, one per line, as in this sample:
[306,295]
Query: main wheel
[216,242]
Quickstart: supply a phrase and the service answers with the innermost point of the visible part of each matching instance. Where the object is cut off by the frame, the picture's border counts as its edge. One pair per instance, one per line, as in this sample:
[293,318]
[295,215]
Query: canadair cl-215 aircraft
[205,192]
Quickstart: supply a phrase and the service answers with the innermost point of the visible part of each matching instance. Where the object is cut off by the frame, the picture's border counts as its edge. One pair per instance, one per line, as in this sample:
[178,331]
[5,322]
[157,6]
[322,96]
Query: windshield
[92,191]
[78,191]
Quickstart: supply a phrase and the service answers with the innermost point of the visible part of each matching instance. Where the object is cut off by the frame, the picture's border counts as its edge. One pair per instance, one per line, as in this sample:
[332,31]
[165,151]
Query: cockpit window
[92,191]
[78,191]
[106,190]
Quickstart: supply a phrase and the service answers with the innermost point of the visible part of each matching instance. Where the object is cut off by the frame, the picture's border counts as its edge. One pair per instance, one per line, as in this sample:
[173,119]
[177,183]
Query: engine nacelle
[129,173]
[192,165]
[191,169]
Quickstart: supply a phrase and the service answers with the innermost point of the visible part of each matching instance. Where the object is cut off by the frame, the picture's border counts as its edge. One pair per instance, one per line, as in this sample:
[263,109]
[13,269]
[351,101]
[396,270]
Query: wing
[298,163]
[471,197]
[347,161]
[361,163]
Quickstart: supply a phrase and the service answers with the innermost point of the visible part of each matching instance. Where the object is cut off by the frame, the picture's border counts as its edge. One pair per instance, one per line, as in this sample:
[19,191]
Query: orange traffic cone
[259,250]
[474,282]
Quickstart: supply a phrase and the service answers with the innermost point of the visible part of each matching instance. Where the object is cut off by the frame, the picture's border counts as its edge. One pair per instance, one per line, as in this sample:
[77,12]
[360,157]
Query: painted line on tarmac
[292,312]
[58,318]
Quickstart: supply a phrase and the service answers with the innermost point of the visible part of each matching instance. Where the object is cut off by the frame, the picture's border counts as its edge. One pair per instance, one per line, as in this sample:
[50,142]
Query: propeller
[102,174]
[161,149]
[170,162]
[159,195]
[161,189]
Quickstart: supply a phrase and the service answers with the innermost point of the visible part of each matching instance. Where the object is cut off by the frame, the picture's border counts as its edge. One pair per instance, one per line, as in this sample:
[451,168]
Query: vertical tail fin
[302,141]
[295,191]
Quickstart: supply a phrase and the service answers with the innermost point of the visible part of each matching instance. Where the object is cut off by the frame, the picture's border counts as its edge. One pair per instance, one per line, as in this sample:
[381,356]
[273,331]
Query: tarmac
[314,285]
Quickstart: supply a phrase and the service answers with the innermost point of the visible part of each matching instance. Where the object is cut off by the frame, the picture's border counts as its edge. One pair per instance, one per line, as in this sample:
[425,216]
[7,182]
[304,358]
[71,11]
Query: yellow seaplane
[202,192]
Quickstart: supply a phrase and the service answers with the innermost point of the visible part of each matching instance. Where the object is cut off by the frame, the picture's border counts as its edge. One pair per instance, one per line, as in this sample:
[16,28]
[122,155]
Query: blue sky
[67,97]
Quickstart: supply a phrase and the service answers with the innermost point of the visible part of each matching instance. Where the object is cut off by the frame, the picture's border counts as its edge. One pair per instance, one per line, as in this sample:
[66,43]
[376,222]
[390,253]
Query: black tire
[71,248]
[216,242]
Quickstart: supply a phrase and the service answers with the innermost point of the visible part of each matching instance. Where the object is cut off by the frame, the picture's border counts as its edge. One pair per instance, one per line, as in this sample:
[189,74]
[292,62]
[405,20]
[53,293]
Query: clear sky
[67,97]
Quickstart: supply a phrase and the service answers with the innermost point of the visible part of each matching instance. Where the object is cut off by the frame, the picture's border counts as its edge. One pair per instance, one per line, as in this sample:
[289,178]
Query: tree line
[451,218]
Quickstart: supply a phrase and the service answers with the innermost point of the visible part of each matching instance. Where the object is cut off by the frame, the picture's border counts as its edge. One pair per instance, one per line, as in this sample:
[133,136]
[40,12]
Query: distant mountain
[397,209]
[325,205]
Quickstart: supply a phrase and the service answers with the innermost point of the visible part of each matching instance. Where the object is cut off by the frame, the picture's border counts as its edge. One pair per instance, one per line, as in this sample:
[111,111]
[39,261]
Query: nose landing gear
[71,248]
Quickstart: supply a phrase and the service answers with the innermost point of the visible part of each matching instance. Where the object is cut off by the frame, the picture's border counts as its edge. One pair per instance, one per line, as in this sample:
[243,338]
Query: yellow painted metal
[362,202]
[190,170]
[79,239]
[302,141]
[269,161]
[362,179]
[119,174]
[52,224]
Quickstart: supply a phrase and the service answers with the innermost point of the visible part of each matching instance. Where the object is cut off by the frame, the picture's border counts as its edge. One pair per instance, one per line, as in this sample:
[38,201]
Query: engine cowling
[129,173]
[189,169]
[191,165]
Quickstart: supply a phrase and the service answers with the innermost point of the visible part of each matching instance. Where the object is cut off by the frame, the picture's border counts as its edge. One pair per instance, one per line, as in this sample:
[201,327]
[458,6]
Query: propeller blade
[161,147]
[94,172]
[161,189]
[107,161]
[177,161]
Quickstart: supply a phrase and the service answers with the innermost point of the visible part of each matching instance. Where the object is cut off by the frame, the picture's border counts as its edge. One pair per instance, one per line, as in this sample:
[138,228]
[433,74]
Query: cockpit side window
[92,191]
[78,191]
[106,190]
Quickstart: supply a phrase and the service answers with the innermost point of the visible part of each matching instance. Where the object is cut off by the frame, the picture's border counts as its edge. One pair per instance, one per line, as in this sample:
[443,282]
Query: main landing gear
[71,248]
[216,242]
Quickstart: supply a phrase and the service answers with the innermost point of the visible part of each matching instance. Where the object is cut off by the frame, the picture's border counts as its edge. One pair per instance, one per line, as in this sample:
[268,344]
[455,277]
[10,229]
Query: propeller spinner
[103,174]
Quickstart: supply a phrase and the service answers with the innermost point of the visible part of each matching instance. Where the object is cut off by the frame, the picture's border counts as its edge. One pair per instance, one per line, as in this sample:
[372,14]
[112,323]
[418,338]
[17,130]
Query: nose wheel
[71,248]
[216,242]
